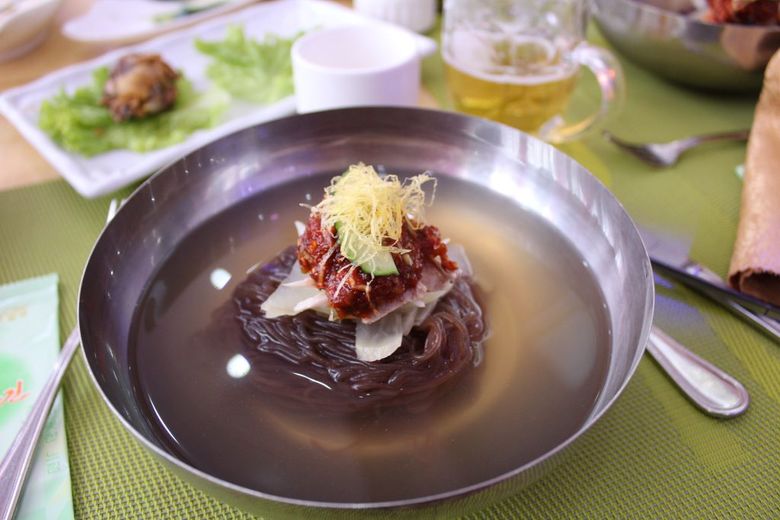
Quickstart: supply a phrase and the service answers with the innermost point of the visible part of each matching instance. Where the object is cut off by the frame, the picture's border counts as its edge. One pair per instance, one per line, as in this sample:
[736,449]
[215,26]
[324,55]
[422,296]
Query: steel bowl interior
[528,174]
[685,49]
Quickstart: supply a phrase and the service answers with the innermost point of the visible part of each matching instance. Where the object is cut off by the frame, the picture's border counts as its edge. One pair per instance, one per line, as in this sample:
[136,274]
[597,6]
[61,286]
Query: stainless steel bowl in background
[527,173]
[684,49]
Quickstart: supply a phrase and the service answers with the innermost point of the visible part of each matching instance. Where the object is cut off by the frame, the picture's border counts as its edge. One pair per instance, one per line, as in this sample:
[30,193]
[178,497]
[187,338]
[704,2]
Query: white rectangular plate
[122,22]
[104,173]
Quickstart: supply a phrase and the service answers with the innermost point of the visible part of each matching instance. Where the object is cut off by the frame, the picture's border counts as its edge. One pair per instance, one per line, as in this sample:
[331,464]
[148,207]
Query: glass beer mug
[518,61]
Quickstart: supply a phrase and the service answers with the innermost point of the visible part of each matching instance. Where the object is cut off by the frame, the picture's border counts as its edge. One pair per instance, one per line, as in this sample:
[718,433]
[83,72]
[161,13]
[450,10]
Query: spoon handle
[14,466]
[710,388]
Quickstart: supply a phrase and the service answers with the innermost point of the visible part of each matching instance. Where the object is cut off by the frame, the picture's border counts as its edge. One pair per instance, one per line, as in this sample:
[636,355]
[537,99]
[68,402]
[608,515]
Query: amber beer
[524,87]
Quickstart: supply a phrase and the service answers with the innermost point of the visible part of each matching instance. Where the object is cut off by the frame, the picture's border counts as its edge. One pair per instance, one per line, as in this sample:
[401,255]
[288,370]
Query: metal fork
[667,154]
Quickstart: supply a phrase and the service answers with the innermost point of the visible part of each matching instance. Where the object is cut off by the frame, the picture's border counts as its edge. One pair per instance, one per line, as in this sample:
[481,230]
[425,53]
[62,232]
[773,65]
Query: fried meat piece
[139,85]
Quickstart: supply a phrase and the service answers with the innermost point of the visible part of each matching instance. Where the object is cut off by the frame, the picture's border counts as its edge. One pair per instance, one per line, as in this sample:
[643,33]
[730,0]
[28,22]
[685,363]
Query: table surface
[653,455]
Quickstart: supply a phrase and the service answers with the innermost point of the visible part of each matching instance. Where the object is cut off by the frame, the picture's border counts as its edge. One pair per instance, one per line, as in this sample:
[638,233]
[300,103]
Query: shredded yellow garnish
[369,211]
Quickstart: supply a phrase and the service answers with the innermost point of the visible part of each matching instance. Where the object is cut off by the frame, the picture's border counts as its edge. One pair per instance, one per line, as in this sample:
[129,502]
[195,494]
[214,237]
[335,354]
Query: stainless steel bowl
[526,172]
[684,49]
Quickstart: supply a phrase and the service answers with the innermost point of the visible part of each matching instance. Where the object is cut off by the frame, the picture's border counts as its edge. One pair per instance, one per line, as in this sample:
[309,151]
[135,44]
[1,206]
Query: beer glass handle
[609,75]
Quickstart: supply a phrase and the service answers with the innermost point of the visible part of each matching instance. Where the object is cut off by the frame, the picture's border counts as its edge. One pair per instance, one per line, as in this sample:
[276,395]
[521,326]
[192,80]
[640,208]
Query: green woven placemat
[653,455]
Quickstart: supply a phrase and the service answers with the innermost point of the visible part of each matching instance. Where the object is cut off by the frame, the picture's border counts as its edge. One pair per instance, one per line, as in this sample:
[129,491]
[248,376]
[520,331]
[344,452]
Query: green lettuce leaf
[259,72]
[79,123]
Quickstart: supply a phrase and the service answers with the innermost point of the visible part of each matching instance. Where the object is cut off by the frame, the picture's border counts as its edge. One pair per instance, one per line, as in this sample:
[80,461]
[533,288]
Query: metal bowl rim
[417,501]
[661,12]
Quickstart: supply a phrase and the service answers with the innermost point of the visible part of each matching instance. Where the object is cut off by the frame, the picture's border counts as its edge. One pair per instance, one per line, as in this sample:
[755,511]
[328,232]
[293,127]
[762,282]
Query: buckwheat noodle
[308,360]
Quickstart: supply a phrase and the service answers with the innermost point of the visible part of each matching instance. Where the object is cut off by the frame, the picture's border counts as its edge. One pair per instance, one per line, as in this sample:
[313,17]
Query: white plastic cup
[357,65]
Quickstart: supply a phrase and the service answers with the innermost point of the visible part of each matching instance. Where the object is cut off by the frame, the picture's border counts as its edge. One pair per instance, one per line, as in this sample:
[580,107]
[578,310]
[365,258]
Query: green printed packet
[29,344]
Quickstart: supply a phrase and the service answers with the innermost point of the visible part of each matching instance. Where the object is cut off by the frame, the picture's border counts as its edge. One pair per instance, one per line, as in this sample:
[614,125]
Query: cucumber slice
[381,265]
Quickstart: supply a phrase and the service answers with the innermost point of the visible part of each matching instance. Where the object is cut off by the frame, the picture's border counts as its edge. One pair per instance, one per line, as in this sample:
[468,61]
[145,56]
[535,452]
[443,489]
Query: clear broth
[545,361]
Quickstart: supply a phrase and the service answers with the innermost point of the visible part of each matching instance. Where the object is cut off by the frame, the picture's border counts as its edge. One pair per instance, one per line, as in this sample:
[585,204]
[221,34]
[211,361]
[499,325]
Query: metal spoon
[667,154]
[16,464]
[711,389]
